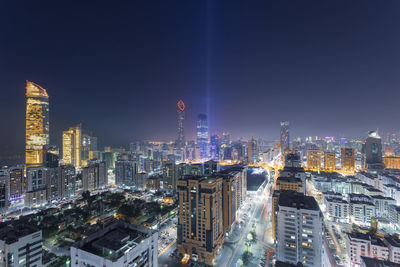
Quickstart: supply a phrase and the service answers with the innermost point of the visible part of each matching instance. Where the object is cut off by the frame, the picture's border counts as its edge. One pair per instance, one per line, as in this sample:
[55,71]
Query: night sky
[119,67]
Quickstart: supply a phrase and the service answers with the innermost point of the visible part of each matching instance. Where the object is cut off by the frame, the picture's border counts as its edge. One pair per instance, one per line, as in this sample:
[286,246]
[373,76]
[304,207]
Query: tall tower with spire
[180,141]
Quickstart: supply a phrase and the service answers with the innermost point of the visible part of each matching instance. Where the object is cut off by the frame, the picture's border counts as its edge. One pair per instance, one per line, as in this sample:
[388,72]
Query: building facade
[348,159]
[20,245]
[330,161]
[72,146]
[200,218]
[94,176]
[299,230]
[37,135]
[314,159]
[285,141]
[202,136]
[119,244]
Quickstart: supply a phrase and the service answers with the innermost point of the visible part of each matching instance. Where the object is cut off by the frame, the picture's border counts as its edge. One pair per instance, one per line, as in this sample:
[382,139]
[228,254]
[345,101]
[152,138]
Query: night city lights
[180,133]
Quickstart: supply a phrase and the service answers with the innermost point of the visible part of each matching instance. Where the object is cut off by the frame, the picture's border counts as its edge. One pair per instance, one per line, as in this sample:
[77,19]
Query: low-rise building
[338,209]
[367,245]
[119,244]
[393,243]
[153,183]
[382,205]
[362,209]
[20,245]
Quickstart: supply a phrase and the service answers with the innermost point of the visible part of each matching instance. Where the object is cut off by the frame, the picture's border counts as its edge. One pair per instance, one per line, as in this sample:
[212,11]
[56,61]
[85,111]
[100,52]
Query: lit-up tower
[180,141]
[252,151]
[348,159]
[202,136]
[284,137]
[373,152]
[37,124]
[72,146]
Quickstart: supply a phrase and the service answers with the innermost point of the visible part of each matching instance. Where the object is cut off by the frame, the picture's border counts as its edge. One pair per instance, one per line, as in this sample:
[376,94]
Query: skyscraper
[72,146]
[252,151]
[348,159]
[180,141]
[202,136]
[285,136]
[373,152]
[37,124]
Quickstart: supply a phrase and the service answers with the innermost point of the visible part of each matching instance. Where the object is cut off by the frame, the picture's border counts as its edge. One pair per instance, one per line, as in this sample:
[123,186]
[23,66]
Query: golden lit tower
[72,146]
[37,124]
[314,159]
[330,161]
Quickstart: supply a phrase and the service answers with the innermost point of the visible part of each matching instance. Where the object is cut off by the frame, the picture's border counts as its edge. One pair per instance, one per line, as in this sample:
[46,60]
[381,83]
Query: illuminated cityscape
[200,133]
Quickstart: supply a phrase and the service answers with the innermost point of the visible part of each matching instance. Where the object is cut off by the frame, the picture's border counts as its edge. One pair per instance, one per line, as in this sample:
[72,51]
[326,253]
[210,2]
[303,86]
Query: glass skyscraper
[202,136]
[37,124]
[285,137]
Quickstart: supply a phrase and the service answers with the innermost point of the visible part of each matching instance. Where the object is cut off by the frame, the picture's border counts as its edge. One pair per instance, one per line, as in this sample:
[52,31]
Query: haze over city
[120,68]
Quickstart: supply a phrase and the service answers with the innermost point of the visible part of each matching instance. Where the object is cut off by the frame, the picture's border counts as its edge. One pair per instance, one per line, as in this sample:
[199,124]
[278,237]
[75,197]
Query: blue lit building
[202,136]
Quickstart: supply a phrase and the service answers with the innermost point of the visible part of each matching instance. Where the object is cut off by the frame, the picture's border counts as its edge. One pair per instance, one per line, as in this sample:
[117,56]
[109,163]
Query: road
[258,217]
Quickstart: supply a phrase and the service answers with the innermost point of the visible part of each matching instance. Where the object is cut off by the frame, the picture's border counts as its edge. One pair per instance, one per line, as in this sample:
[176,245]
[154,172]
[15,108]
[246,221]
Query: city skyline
[112,90]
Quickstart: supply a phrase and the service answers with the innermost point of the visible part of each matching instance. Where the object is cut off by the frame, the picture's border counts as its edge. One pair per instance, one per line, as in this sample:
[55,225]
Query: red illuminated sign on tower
[181,105]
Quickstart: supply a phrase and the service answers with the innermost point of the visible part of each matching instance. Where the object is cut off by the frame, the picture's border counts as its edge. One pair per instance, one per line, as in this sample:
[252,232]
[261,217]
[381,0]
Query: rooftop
[114,240]
[372,262]
[393,240]
[289,179]
[374,239]
[12,233]
[297,200]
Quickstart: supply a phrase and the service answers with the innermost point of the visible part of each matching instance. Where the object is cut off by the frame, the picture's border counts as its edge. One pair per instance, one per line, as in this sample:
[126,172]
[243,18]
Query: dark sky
[118,67]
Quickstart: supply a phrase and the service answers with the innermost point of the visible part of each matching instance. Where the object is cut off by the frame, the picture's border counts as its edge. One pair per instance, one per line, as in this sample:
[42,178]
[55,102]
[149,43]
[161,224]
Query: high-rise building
[88,146]
[125,171]
[170,176]
[252,151]
[202,136]
[330,161]
[284,184]
[20,245]
[4,202]
[215,144]
[180,141]
[67,181]
[285,141]
[348,159]
[200,225]
[36,192]
[94,176]
[16,180]
[314,159]
[37,124]
[211,167]
[229,202]
[72,146]
[119,244]
[300,230]
[373,152]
